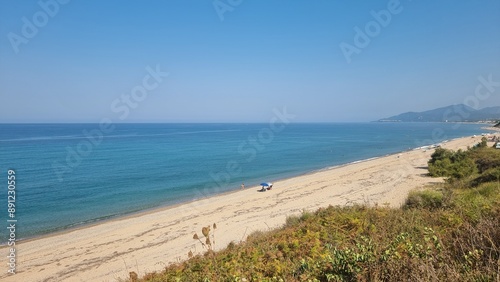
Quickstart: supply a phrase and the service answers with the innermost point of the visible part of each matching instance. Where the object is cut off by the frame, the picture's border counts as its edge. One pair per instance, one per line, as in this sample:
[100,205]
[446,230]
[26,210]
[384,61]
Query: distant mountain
[454,113]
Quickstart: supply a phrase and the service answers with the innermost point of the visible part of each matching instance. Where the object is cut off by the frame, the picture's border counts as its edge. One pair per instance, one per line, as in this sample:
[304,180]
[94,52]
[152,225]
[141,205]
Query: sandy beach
[149,241]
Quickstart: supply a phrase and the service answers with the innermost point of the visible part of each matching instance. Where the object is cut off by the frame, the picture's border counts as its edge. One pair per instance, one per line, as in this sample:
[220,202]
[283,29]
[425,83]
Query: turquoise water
[72,174]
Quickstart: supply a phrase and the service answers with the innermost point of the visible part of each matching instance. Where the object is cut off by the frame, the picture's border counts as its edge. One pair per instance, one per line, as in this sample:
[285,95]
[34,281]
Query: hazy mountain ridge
[453,113]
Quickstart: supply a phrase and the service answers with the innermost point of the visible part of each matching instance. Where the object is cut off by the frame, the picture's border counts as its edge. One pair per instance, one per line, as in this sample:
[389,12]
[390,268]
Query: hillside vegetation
[449,232]
[452,113]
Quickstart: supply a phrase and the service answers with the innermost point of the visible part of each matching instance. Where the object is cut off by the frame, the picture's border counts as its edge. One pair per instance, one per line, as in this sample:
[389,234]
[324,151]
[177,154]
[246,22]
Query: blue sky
[237,60]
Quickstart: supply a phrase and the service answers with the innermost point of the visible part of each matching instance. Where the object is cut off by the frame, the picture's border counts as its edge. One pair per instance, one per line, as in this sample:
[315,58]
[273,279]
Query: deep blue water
[66,178]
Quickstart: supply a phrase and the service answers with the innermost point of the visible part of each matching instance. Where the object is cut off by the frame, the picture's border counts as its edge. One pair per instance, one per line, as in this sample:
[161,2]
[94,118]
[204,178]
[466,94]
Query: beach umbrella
[268,184]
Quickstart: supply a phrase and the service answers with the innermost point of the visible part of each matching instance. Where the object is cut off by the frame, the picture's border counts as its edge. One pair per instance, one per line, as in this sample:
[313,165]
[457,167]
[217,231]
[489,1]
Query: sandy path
[147,242]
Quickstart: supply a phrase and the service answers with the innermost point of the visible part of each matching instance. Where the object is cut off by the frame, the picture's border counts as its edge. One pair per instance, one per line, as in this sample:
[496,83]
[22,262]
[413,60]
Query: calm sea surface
[73,174]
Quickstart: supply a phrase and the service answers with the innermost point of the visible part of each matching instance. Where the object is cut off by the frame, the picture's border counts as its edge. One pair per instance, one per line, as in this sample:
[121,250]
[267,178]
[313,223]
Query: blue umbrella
[268,184]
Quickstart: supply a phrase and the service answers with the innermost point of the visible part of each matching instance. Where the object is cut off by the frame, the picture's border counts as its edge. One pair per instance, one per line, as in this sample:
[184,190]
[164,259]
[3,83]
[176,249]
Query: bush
[454,165]
[476,203]
[462,169]
[490,175]
[485,158]
[440,162]
[428,199]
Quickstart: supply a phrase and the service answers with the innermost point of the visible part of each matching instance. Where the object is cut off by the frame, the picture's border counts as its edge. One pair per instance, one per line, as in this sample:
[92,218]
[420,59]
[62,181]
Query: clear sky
[237,60]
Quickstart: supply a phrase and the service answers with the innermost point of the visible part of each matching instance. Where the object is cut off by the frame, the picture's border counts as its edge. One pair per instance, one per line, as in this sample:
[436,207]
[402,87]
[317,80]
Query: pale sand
[147,242]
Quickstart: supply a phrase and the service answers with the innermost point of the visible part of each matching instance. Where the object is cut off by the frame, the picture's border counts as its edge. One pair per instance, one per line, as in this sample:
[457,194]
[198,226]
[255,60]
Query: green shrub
[428,199]
[476,203]
[463,168]
[485,158]
[440,162]
[490,175]
[455,165]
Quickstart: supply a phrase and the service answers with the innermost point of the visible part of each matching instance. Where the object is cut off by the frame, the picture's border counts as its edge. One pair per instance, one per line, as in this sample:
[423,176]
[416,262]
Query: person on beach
[242,185]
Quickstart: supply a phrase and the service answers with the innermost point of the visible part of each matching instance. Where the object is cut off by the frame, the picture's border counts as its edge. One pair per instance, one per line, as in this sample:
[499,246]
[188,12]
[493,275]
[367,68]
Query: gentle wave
[75,137]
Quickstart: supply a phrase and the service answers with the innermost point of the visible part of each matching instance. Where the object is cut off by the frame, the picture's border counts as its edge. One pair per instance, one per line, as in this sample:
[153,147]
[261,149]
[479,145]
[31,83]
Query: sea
[71,175]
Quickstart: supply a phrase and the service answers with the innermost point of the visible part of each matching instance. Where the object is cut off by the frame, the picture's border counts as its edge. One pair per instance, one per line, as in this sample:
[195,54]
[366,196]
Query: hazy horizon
[241,61]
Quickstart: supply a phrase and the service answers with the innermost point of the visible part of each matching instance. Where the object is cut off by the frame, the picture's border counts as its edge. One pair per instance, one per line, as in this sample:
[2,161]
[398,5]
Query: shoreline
[100,251]
[127,215]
